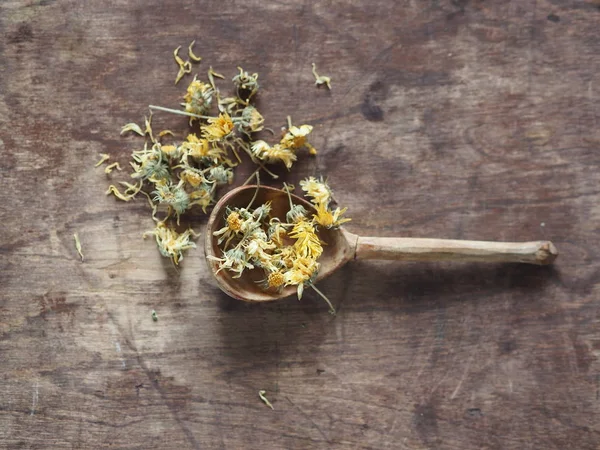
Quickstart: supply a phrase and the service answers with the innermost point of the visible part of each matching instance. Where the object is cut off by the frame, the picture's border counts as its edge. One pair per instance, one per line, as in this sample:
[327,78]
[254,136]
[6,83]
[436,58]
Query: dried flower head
[150,164]
[221,175]
[246,82]
[296,213]
[295,137]
[219,128]
[173,195]
[234,260]
[170,243]
[328,218]
[308,244]
[198,98]
[251,121]
[317,190]
[276,153]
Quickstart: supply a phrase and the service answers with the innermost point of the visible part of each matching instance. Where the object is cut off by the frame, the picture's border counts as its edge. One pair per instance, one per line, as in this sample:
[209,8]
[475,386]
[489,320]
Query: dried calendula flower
[252,121]
[218,129]
[272,154]
[170,243]
[308,244]
[246,82]
[234,260]
[150,164]
[317,190]
[198,98]
[320,79]
[295,137]
[173,195]
[321,196]
[329,218]
[221,175]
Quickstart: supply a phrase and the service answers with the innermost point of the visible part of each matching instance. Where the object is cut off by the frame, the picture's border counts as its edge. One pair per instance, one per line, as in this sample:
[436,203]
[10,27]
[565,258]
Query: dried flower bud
[246,82]
[296,213]
[221,175]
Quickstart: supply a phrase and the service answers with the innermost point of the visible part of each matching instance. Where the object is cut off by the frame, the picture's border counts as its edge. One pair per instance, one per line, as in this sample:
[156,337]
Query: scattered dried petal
[191,54]
[78,245]
[261,394]
[103,158]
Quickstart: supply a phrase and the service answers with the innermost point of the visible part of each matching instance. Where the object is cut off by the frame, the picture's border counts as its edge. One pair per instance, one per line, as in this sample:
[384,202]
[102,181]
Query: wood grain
[448,119]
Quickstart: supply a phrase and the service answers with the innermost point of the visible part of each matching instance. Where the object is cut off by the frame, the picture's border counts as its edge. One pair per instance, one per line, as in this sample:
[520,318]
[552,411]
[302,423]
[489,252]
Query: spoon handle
[416,249]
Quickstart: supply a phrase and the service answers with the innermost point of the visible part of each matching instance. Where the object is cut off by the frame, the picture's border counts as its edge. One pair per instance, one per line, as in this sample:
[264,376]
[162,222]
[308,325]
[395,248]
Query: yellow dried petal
[132,127]
[103,158]
[191,54]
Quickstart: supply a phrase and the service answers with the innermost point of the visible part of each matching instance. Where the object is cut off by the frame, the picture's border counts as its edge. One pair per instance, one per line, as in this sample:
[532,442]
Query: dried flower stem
[331,308]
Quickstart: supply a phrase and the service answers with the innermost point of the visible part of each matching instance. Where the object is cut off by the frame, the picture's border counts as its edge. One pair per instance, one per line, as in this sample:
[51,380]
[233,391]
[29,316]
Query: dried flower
[252,121]
[219,128]
[150,164]
[275,279]
[276,153]
[318,190]
[295,137]
[173,195]
[246,82]
[202,197]
[328,218]
[191,177]
[198,98]
[296,214]
[170,243]
[234,260]
[221,175]
[307,243]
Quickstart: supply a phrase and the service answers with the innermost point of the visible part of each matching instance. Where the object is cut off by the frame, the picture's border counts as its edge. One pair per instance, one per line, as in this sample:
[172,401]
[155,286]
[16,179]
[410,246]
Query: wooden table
[456,119]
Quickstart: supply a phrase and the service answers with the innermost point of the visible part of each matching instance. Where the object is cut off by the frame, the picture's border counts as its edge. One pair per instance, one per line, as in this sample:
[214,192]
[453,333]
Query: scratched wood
[457,119]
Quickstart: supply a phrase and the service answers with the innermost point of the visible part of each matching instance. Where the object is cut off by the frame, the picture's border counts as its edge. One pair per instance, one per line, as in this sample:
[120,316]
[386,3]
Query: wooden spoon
[343,246]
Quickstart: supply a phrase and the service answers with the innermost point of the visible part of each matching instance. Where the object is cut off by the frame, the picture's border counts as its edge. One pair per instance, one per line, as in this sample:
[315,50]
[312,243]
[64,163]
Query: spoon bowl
[341,246]
[338,248]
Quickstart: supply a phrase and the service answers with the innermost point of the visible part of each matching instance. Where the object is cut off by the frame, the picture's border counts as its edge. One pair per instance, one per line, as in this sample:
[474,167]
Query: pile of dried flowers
[177,175]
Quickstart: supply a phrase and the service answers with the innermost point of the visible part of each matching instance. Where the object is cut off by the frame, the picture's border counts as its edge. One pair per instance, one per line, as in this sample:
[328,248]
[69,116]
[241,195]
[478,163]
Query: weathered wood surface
[455,119]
